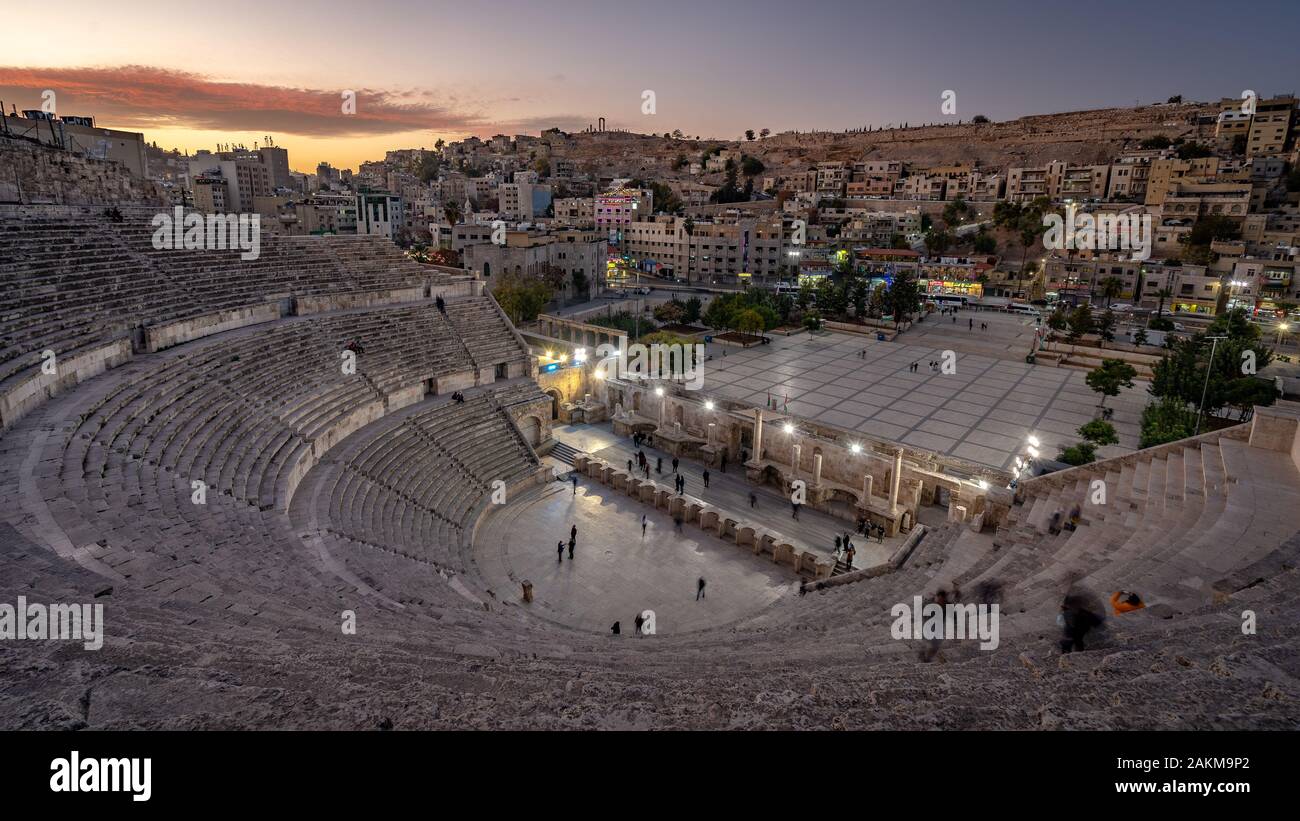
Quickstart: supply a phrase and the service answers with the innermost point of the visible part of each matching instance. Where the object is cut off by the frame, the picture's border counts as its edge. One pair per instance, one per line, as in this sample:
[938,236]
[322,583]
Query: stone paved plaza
[982,413]
[615,570]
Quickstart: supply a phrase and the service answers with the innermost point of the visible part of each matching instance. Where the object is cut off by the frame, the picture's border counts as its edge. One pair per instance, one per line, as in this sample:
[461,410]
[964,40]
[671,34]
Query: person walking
[659,464]
[559,551]
[971,327]
[677,523]
[674,464]
[572,542]
[699,588]
[794,511]
[573,477]
[848,555]
[724,462]
[573,533]
[753,500]
[629,466]
[643,525]
[637,622]
[706,478]
[681,486]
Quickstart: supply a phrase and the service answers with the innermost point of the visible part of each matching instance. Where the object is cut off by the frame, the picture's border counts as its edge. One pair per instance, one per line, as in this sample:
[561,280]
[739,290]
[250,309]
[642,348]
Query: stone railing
[759,538]
[1062,478]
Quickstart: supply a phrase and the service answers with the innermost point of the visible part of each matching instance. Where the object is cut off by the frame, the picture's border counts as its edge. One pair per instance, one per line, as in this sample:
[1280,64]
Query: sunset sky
[191,74]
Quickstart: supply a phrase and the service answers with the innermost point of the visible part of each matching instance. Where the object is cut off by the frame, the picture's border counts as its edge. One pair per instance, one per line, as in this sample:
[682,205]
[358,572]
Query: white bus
[949,300]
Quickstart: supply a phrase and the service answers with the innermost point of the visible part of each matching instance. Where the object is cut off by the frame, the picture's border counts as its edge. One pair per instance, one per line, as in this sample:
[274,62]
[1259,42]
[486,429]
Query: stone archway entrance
[555,404]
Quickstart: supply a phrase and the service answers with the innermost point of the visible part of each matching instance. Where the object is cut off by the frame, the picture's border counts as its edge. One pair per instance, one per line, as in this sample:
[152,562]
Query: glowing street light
[659,391]
[708,405]
[789,428]
[855,447]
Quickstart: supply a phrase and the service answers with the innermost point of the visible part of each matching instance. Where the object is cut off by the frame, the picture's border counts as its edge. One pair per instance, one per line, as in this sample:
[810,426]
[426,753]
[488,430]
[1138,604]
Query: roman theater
[327,488]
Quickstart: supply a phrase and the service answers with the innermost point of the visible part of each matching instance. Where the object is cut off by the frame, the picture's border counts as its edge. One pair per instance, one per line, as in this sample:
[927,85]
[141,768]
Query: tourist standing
[706,478]
[643,525]
[699,588]
[559,551]
[572,542]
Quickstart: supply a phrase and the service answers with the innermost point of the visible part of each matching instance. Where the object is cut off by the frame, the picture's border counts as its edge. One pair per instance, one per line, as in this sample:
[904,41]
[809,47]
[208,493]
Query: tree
[1159,141]
[751,166]
[1166,420]
[985,243]
[1108,377]
[749,321]
[904,297]
[1105,327]
[693,307]
[1140,338]
[936,242]
[763,134]
[1111,287]
[955,212]
[1194,150]
[1163,293]
[1099,432]
[451,210]
[670,312]
[749,134]
[580,284]
[522,299]
[1079,323]
[979,119]
[1080,453]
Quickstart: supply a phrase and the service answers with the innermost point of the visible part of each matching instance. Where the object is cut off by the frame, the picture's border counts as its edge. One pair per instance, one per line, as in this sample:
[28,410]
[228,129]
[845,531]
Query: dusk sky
[192,74]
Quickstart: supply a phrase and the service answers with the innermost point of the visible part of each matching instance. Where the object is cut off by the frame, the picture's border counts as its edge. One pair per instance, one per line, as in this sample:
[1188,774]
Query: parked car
[1121,307]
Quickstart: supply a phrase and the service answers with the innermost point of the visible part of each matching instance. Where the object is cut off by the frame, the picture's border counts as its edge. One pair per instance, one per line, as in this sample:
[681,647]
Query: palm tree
[1111,287]
[452,212]
[1163,293]
[1028,233]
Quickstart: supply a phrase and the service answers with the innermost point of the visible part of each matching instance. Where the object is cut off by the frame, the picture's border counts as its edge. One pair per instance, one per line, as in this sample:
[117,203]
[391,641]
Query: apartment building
[1191,200]
[614,211]
[1058,181]
[1166,171]
[744,250]
[1270,128]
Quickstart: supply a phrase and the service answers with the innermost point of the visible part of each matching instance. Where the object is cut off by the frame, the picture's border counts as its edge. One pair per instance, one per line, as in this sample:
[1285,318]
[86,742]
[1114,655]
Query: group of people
[868,529]
[458,398]
[1059,521]
[573,542]
[844,550]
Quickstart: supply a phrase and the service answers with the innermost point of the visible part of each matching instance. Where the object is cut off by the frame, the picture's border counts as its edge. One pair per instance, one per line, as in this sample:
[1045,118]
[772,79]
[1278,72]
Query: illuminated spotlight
[855,447]
[599,374]
[659,391]
[789,428]
[550,355]
[984,485]
[1033,452]
[564,357]
[1033,440]
[708,405]
[580,355]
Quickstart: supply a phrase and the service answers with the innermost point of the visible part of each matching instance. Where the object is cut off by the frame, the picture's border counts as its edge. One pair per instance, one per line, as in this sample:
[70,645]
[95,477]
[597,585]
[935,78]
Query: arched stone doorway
[555,403]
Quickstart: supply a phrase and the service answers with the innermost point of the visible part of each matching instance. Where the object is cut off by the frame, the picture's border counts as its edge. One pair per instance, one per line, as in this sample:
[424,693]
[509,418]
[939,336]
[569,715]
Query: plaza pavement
[983,412]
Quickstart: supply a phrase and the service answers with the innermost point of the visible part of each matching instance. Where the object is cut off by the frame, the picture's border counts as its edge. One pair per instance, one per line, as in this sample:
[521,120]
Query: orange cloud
[141,97]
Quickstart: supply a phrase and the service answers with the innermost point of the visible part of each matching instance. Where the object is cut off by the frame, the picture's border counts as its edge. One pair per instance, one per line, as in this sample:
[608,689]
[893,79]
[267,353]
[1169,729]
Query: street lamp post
[1200,409]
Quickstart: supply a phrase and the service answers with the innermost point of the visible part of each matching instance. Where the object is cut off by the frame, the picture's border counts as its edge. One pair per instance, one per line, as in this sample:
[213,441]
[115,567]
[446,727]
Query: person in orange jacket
[1124,602]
